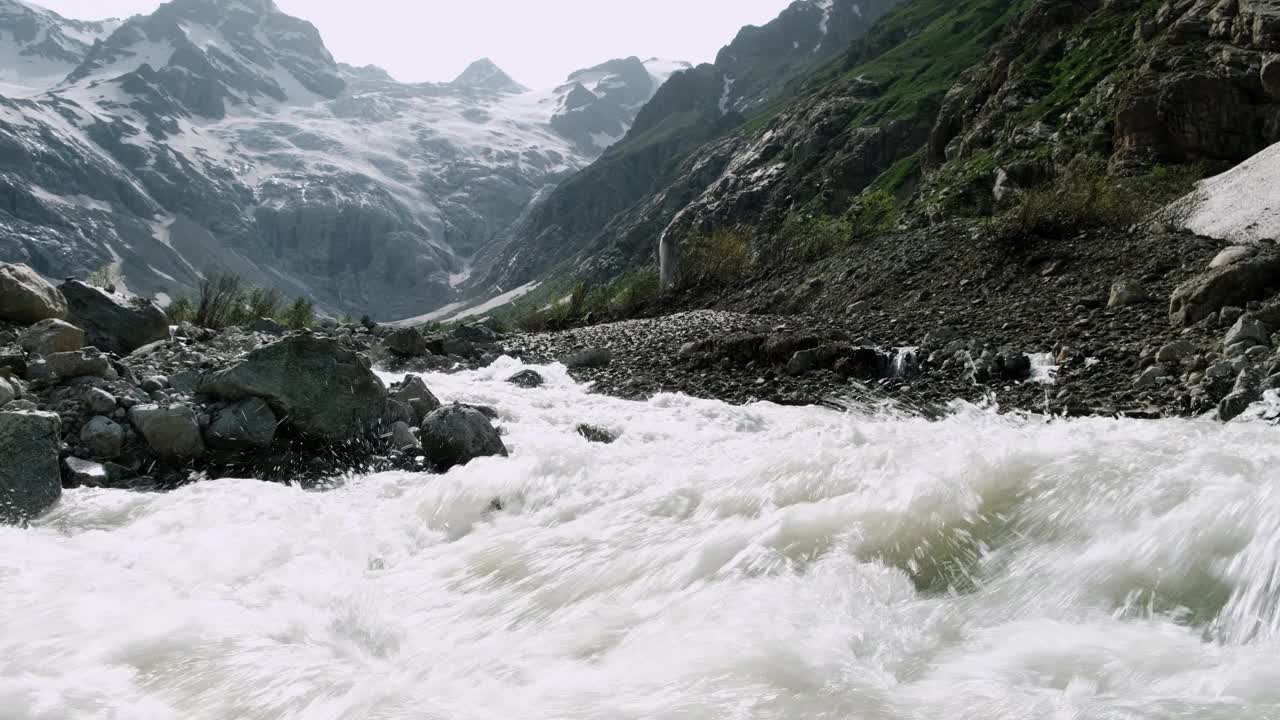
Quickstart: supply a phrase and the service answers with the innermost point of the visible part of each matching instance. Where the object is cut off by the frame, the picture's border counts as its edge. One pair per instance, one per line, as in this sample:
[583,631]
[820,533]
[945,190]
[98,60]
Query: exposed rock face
[52,336]
[456,435]
[26,298]
[30,479]
[113,322]
[313,383]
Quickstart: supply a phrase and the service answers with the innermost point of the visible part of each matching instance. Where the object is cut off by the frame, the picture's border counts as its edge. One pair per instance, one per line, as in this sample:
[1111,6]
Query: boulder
[592,358]
[406,342]
[479,333]
[1231,285]
[100,402]
[27,298]
[456,435]
[8,393]
[413,393]
[30,477]
[1247,330]
[802,362]
[527,379]
[102,437]
[1247,391]
[403,439]
[268,326]
[154,383]
[52,336]
[320,387]
[246,425]
[596,435]
[1150,377]
[171,432]
[1127,292]
[89,362]
[85,473]
[1175,351]
[112,322]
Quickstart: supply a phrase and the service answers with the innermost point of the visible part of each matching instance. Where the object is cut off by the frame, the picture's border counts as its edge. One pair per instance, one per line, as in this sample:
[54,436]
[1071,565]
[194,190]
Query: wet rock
[1234,284]
[527,379]
[413,393]
[113,322]
[319,386]
[171,432]
[1127,292]
[52,336]
[1014,365]
[403,439]
[30,477]
[592,358]
[1247,391]
[456,435]
[1247,330]
[406,342]
[596,434]
[246,425]
[84,473]
[89,362]
[27,298]
[102,437]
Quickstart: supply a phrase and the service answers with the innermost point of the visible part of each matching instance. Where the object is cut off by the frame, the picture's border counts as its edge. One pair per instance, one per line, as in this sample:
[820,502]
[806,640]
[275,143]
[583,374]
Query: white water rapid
[716,562]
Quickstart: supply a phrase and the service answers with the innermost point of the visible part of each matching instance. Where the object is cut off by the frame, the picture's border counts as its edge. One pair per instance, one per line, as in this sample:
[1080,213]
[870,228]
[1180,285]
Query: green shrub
[716,258]
[301,315]
[181,311]
[221,301]
[260,303]
[875,214]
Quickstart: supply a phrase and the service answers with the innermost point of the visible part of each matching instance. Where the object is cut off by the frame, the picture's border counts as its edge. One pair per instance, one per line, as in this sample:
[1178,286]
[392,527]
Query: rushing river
[716,562]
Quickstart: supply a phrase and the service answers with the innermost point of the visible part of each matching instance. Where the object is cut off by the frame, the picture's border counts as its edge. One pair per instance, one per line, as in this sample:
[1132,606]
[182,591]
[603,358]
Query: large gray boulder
[30,478]
[456,435]
[247,425]
[52,336]
[314,383]
[171,432]
[114,323]
[1234,284]
[406,342]
[81,363]
[27,298]
[414,394]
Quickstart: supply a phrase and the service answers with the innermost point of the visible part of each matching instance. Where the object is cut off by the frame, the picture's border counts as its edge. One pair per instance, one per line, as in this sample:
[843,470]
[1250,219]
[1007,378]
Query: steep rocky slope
[223,135]
[754,71]
[40,47]
[947,107]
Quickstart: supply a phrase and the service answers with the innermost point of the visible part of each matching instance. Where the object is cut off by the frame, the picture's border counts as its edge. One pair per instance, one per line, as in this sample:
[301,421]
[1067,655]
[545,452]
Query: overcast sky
[538,42]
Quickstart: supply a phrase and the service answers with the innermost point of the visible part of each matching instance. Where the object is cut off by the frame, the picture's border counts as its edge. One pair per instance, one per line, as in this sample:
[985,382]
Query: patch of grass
[719,257]
[621,298]
[1088,198]
[225,301]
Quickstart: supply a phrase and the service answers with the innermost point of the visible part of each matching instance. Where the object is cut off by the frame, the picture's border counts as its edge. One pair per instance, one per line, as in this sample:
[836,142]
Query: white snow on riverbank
[1243,204]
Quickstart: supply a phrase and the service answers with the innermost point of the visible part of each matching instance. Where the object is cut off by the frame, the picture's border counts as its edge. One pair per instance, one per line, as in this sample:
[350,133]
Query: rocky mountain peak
[484,74]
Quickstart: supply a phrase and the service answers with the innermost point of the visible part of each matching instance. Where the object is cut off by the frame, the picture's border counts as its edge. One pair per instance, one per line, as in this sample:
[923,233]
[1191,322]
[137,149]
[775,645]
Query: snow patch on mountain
[1241,205]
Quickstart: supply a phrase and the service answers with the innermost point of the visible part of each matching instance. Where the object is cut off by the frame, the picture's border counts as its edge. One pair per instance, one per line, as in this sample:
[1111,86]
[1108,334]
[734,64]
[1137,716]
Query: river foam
[715,562]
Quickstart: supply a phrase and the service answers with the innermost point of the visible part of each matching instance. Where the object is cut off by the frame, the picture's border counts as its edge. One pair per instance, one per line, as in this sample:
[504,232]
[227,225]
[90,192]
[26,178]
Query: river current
[716,562]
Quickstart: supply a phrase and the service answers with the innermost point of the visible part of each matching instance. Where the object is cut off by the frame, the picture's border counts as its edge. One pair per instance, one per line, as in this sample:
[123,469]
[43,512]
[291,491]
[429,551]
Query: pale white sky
[538,42]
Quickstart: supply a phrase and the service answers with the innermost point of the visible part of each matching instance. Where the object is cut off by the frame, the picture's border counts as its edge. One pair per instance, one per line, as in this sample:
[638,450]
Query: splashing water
[715,562]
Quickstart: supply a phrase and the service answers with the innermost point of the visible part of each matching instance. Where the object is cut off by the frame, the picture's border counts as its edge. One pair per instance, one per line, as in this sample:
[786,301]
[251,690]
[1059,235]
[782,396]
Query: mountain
[946,107]
[40,47]
[751,73]
[221,134]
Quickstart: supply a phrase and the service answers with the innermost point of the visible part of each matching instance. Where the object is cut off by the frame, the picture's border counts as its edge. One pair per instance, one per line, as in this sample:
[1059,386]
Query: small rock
[1175,351]
[1233,255]
[596,435]
[154,383]
[1249,330]
[269,326]
[1247,391]
[100,402]
[171,432]
[456,435]
[103,437]
[52,336]
[84,473]
[81,363]
[593,358]
[1127,292]
[802,362]
[1228,315]
[527,379]
[1151,377]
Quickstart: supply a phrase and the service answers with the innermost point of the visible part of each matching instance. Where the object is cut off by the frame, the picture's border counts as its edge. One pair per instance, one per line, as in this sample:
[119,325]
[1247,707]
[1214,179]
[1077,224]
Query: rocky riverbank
[97,389]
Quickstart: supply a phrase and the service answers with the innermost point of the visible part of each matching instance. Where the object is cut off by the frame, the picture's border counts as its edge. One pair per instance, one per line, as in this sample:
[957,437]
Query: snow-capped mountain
[221,134]
[39,47]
